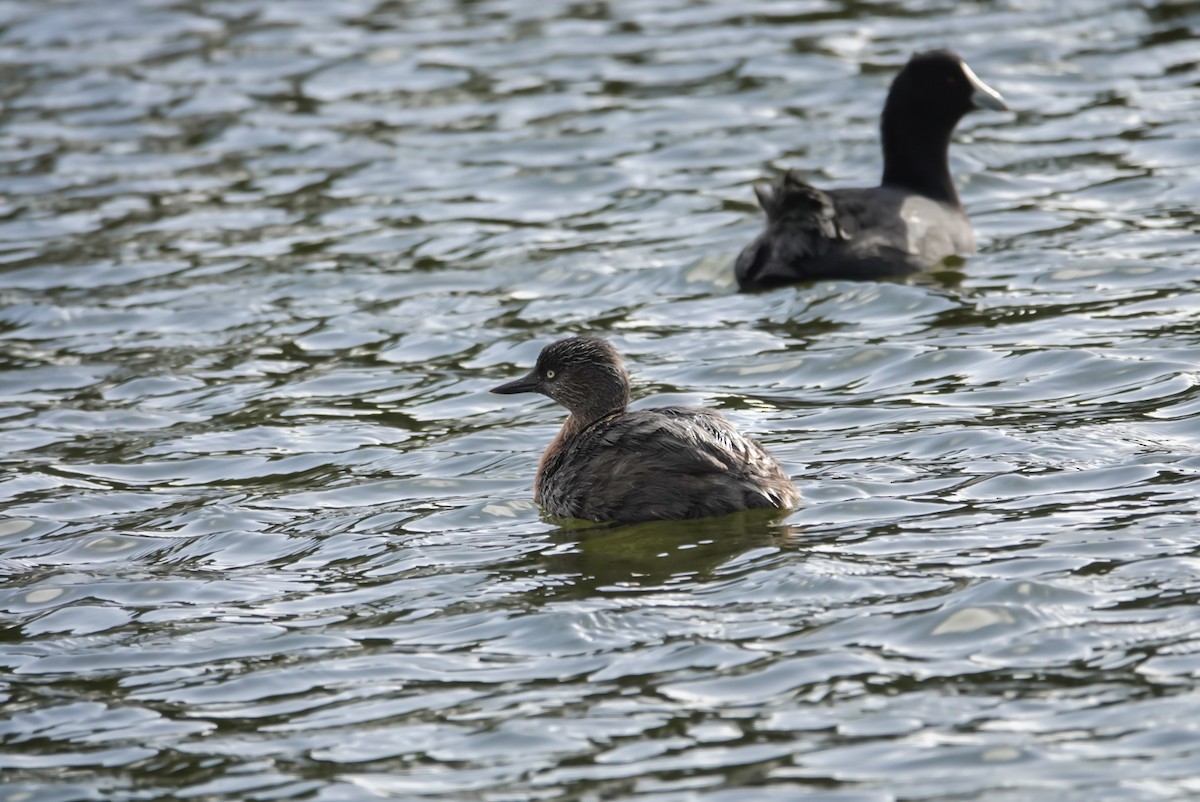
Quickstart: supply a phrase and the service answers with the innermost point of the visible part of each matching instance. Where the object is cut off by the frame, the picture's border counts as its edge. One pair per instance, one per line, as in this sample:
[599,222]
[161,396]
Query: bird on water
[910,222]
[609,463]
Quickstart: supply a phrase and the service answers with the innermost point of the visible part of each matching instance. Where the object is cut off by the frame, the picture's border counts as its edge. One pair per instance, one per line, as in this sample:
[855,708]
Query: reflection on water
[265,534]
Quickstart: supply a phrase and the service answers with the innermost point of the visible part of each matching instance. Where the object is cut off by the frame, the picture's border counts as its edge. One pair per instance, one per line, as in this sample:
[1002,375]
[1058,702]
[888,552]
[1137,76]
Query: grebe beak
[526,384]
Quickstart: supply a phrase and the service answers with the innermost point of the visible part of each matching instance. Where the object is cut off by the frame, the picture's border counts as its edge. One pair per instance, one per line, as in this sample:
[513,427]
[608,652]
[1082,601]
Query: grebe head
[584,374]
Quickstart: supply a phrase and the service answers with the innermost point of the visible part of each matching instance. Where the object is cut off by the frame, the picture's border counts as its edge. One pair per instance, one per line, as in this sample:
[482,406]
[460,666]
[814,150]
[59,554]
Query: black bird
[910,222]
[611,464]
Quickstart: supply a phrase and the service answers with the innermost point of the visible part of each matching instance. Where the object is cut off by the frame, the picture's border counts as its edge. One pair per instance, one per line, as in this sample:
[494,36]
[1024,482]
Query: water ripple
[266,535]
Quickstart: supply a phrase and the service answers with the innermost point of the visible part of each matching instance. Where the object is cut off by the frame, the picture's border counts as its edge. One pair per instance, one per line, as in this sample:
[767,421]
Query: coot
[910,222]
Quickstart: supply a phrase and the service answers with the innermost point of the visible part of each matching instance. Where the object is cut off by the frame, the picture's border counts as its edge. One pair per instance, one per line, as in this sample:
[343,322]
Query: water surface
[265,535]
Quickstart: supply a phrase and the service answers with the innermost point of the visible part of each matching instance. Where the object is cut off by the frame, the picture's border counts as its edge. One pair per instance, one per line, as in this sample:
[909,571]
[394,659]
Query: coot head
[939,85]
[584,374]
[927,99]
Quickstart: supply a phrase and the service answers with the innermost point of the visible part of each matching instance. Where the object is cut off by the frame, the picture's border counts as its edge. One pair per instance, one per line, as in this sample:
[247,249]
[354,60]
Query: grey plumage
[854,234]
[659,464]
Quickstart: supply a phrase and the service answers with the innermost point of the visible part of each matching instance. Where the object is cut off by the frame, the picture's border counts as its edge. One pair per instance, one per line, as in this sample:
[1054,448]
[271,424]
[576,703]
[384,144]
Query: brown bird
[612,464]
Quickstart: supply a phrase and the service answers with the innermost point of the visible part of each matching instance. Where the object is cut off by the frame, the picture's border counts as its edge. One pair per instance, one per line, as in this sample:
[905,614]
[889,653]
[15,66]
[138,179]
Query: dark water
[266,536]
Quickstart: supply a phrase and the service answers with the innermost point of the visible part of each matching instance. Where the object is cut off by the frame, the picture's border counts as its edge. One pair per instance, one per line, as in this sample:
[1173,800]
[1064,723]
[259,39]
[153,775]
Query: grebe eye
[549,374]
